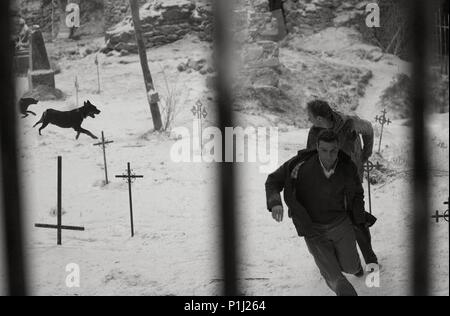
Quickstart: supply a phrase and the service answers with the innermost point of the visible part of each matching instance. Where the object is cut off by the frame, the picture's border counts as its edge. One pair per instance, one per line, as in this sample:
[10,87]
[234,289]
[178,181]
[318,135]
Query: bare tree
[152,96]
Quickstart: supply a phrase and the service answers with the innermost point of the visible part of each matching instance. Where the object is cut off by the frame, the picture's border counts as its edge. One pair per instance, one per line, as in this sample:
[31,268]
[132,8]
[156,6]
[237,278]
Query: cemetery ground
[175,249]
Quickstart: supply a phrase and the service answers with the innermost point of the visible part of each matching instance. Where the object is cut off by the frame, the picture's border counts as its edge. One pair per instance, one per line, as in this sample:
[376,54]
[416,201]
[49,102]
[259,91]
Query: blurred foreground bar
[12,215]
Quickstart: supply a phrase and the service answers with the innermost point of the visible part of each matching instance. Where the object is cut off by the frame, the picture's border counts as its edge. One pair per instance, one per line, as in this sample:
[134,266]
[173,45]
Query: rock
[182,67]
[311,7]
[44,93]
[376,55]
[262,54]
[362,5]
[261,5]
[265,77]
[124,52]
[163,22]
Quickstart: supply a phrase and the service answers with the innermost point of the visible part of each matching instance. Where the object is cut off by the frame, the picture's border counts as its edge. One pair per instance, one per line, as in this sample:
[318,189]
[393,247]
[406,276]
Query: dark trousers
[364,240]
[334,253]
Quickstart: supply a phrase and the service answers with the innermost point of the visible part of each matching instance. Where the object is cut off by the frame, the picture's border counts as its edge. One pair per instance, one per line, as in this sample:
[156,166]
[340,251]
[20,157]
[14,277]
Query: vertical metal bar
[200,127]
[435,47]
[53,18]
[98,76]
[381,138]
[59,205]
[230,251]
[76,88]
[12,199]
[104,157]
[368,188]
[445,44]
[420,20]
[131,200]
[441,59]
[439,30]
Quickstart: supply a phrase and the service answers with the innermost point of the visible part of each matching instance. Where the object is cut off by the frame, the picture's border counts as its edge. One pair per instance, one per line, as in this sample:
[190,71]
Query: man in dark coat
[324,197]
[350,130]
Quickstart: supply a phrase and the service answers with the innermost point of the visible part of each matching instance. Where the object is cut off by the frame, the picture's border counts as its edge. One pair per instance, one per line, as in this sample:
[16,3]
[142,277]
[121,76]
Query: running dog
[24,104]
[69,119]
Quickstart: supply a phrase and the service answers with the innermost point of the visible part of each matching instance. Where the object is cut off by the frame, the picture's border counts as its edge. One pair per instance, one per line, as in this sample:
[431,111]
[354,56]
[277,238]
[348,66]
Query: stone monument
[40,72]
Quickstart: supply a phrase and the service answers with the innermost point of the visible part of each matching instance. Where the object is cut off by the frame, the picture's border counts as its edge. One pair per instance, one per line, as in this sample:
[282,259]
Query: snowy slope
[175,248]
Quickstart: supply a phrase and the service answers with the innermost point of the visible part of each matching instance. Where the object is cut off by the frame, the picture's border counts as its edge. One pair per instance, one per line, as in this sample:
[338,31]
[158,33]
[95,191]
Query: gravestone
[22,62]
[40,73]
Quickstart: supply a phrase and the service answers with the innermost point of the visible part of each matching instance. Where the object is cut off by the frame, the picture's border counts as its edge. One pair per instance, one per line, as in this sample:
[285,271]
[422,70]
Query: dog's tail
[41,120]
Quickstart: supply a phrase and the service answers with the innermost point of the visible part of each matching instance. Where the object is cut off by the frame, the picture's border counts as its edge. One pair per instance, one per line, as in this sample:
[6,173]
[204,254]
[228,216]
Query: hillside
[176,247]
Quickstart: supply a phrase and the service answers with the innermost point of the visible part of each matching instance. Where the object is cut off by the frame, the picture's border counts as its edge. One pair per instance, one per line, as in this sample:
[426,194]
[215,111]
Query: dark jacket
[284,180]
[348,128]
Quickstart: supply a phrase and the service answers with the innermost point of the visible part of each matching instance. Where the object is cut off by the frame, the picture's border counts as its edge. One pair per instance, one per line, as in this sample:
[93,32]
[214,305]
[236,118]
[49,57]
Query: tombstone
[22,62]
[40,72]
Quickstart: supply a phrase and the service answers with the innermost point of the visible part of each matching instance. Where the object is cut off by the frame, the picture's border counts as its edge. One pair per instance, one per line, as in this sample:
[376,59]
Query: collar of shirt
[328,173]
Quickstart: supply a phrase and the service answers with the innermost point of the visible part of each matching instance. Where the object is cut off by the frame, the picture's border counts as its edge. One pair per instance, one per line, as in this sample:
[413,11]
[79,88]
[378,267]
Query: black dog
[24,103]
[70,119]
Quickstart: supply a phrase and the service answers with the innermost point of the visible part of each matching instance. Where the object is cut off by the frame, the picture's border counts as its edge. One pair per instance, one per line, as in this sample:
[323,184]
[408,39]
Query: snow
[176,247]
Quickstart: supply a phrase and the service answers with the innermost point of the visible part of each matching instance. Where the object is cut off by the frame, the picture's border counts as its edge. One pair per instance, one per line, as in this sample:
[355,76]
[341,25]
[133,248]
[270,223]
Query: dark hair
[320,108]
[327,136]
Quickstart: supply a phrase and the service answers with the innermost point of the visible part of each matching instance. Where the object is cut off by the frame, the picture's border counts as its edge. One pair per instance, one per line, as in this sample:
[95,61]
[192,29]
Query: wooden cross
[368,167]
[444,216]
[200,113]
[59,226]
[98,74]
[103,143]
[130,177]
[77,87]
[383,120]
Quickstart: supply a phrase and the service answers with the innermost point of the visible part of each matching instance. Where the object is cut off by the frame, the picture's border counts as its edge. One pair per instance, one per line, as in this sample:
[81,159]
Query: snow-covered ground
[176,247]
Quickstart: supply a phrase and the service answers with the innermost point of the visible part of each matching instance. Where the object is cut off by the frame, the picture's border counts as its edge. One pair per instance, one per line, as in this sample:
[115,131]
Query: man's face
[317,121]
[328,153]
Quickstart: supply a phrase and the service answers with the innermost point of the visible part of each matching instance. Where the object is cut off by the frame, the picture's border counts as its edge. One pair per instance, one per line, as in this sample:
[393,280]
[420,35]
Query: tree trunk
[152,96]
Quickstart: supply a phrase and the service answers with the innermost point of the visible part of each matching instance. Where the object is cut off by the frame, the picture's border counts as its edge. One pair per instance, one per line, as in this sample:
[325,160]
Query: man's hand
[277,213]
[366,156]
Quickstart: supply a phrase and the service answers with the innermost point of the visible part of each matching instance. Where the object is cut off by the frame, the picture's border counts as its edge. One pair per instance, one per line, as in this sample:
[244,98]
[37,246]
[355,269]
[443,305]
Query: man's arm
[358,206]
[365,128]
[275,185]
